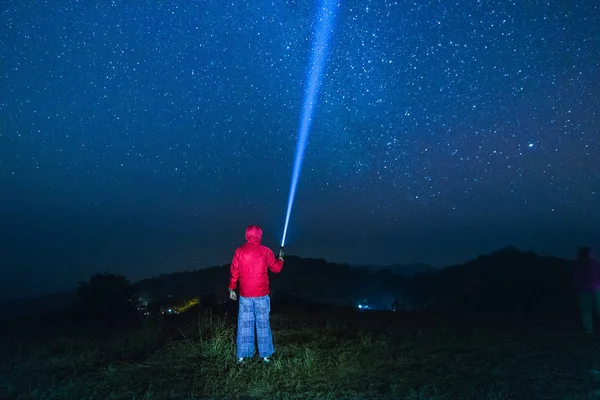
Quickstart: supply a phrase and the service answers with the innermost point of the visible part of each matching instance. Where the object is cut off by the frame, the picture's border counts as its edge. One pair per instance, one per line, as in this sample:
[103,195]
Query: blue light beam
[322,36]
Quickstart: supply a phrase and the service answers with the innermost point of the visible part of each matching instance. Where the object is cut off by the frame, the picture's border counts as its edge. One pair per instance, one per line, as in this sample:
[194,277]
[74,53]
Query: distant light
[360,306]
[530,145]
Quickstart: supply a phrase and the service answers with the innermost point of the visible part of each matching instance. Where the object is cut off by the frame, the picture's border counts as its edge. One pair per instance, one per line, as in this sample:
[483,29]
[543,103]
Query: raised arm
[274,264]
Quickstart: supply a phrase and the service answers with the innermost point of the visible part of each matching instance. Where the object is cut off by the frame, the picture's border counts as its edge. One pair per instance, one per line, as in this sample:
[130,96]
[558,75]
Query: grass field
[322,354]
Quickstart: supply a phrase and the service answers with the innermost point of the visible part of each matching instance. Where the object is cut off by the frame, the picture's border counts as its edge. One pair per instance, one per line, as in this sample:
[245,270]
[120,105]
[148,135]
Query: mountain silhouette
[506,280]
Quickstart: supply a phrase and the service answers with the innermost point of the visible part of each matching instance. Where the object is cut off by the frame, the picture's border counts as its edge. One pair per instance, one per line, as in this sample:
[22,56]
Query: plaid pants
[254,310]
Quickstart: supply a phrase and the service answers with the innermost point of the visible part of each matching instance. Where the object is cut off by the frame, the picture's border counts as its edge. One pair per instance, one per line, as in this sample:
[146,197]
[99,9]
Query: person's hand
[281,254]
[232,295]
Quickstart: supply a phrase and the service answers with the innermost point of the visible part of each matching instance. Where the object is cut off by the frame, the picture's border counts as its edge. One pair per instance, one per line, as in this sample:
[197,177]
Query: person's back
[250,264]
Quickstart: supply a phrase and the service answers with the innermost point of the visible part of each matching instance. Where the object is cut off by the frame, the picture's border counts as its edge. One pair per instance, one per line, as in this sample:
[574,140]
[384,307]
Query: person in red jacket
[250,266]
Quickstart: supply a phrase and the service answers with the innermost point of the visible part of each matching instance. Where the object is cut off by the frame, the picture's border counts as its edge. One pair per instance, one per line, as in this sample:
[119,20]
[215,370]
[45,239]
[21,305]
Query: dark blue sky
[141,137]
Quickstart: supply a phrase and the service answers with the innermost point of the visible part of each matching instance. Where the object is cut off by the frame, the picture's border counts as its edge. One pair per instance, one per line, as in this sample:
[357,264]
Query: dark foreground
[321,354]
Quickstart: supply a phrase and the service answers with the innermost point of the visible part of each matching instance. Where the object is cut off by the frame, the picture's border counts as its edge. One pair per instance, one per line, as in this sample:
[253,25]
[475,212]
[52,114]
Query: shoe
[266,360]
[240,360]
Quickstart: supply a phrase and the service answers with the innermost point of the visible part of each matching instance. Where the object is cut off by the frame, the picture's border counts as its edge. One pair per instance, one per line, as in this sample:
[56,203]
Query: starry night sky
[142,137]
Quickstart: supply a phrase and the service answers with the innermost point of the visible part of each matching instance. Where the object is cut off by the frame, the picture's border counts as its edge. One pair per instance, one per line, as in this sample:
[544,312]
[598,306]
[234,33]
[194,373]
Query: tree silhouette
[107,299]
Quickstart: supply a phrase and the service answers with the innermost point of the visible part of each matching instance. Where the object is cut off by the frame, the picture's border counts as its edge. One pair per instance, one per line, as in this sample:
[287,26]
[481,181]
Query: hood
[254,234]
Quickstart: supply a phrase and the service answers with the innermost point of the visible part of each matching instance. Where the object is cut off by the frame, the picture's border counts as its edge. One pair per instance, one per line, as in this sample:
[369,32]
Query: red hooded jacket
[250,264]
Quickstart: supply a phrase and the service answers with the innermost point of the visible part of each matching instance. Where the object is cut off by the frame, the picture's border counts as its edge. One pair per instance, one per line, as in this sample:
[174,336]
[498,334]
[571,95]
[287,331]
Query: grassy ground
[320,355]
